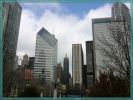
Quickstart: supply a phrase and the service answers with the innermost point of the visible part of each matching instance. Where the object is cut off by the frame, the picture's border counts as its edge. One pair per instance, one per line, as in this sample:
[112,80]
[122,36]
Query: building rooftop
[49,38]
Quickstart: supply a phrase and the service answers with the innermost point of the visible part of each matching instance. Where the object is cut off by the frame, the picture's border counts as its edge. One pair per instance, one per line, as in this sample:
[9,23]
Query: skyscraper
[25,61]
[77,63]
[31,62]
[84,75]
[120,12]
[11,21]
[90,71]
[101,33]
[66,70]
[59,72]
[45,55]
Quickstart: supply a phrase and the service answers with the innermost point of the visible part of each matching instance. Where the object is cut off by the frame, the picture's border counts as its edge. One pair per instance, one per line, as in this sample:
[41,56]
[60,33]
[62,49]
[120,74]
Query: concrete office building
[25,61]
[45,55]
[59,72]
[11,21]
[100,29]
[120,12]
[77,63]
[90,70]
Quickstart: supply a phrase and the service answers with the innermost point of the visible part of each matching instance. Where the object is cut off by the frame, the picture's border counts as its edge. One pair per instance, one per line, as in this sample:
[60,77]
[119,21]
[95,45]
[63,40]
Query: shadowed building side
[90,70]
[11,21]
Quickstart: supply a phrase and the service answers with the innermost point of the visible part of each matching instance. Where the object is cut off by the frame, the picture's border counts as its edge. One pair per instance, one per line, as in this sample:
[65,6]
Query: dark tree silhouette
[109,85]
[115,49]
[30,92]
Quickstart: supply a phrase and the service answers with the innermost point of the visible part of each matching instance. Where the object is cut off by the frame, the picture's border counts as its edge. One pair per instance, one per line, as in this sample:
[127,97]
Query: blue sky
[79,9]
[72,24]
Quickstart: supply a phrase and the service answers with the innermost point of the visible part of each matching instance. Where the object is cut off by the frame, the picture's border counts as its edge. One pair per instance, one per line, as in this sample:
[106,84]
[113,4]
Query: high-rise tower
[90,71]
[11,21]
[45,55]
[77,64]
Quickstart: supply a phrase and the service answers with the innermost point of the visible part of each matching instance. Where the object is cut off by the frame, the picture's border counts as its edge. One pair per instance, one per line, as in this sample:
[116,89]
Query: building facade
[66,70]
[25,61]
[11,21]
[31,62]
[77,63]
[84,76]
[90,70]
[102,33]
[59,73]
[120,12]
[45,55]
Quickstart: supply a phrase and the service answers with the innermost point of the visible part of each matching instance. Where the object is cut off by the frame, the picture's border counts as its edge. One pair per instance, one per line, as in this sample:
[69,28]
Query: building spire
[66,54]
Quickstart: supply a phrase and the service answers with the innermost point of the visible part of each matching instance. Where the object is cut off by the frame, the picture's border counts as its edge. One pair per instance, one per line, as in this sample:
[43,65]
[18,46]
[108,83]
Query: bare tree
[116,48]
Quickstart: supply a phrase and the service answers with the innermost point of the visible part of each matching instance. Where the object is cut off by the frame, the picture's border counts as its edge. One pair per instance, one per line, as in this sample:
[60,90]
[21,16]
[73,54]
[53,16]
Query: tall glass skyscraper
[90,71]
[45,55]
[11,21]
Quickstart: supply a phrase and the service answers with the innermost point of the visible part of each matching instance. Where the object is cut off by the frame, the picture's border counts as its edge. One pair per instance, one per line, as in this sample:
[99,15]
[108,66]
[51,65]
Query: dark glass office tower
[11,21]
[66,70]
[31,62]
[90,71]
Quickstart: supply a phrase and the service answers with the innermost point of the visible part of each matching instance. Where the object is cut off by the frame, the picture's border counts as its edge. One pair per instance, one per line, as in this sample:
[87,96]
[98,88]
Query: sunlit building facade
[77,64]
[45,55]
[101,32]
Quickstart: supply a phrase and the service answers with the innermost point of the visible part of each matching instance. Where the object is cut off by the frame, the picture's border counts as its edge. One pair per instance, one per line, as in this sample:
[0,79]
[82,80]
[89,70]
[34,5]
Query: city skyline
[98,56]
[66,16]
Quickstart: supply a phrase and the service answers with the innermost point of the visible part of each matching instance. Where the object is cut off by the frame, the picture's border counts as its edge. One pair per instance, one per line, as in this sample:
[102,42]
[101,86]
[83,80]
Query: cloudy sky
[71,23]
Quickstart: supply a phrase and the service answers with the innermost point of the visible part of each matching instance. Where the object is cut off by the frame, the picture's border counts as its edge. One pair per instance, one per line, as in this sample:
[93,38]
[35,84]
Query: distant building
[59,72]
[77,63]
[11,15]
[90,70]
[84,75]
[25,61]
[120,12]
[45,55]
[28,75]
[66,70]
[31,62]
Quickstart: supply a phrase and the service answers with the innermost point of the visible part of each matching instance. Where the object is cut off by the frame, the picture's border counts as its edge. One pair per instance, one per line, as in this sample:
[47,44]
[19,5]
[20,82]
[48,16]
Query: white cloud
[127,4]
[68,29]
